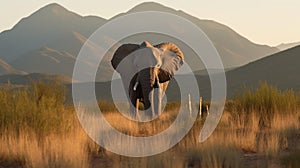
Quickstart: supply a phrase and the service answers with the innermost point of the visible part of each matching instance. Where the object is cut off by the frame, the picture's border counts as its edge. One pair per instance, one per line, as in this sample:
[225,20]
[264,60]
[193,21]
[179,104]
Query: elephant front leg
[137,116]
[134,97]
[134,109]
[156,100]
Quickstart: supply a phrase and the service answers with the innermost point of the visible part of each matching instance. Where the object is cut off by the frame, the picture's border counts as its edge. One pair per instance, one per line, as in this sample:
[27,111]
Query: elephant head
[145,71]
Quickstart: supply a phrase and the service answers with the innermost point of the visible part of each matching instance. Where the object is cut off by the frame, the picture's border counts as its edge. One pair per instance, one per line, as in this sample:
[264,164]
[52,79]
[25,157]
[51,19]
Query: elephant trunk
[151,91]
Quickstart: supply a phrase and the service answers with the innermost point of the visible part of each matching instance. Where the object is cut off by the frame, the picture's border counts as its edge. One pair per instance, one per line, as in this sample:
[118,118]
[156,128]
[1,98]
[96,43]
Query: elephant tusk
[156,82]
[135,86]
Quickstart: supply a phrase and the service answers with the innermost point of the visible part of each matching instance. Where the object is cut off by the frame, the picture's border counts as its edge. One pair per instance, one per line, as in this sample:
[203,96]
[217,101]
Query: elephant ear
[122,52]
[172,59]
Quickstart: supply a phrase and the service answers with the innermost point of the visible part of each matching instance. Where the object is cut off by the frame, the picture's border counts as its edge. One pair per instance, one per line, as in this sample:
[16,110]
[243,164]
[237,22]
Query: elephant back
[122,52]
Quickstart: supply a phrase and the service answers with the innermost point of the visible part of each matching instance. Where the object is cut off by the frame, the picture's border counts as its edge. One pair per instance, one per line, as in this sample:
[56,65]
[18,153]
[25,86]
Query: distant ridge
[26,79]
[285,46]
[280,70]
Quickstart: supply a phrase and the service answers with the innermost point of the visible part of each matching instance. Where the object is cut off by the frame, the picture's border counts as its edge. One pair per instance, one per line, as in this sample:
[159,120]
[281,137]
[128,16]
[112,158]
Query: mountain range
[49,40]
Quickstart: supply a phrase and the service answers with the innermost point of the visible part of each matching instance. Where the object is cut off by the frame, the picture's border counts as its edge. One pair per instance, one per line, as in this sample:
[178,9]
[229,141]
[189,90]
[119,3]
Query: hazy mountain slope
[285,46]
[235,50]
[5,68]
[281,69]
[50,61]
[44,26]
[46,60]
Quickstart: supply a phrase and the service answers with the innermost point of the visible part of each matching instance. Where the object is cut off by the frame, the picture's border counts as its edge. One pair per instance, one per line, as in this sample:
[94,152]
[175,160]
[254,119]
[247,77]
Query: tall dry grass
[39,130]
[27,149]
[268,120]
[265,102]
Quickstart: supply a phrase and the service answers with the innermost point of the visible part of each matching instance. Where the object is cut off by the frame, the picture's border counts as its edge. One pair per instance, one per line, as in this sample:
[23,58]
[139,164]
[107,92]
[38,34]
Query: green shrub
[265,101]
[292,159]
[39,106]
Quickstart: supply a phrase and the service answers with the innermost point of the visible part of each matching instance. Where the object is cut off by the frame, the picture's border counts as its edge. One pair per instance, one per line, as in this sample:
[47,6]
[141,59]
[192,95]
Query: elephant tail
[171,47]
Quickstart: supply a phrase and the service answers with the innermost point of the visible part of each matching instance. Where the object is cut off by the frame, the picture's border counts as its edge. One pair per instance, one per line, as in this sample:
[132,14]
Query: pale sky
[268,22]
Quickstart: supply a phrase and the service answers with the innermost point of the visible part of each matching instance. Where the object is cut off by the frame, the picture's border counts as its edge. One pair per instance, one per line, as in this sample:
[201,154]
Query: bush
[292,159]
[265,102]
[39,106]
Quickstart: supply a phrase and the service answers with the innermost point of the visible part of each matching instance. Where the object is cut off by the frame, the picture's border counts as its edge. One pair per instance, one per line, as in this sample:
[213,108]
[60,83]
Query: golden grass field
[259,128]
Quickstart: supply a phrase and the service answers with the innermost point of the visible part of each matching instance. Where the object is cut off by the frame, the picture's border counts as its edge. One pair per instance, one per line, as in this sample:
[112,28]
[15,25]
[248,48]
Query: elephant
[145,72]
